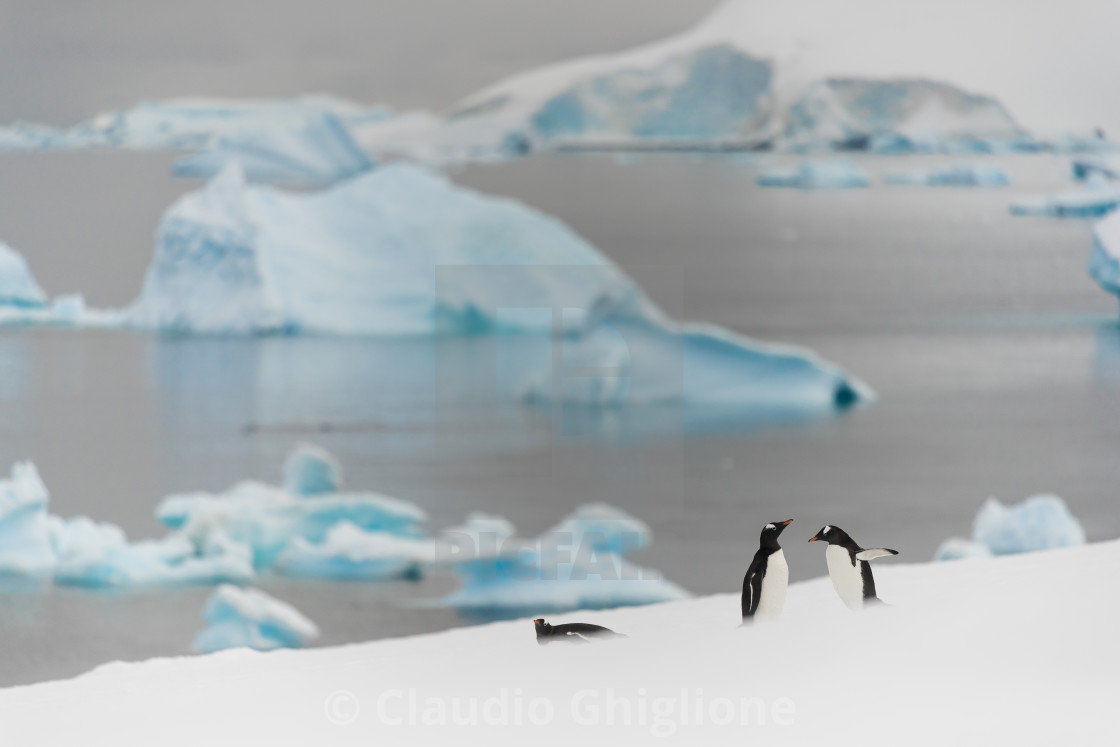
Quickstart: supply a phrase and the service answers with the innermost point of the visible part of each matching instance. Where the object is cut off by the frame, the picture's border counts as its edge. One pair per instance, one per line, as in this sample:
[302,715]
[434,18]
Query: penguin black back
[852,577]
[756,573]
[571,632]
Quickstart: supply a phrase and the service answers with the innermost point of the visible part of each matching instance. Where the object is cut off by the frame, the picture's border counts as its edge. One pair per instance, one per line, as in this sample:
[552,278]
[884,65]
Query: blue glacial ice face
[899,115]
[267,518]
[351,553]
[579,564]
[714,94]
[239,618]
[1104,263]
[1041,522]
[312,470]
[316,153]
[957,175]
[25,542]
[833,174]
[17,285]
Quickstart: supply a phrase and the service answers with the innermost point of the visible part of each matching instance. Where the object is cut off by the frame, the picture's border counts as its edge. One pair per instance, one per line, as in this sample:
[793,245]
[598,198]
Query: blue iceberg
[25,537]
[17,285]
[1041,522]
[1104,263]
[267,518]
[579,564]
[834,174]
[249,618]
[312,470]
[958,175]
[1095,201]
[351,553]
[1096,165]
[315,153]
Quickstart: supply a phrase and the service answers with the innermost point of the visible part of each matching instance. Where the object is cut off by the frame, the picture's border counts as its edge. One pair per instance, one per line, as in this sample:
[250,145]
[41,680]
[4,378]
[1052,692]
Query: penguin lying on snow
[572,632]
[767,579]
[848,567]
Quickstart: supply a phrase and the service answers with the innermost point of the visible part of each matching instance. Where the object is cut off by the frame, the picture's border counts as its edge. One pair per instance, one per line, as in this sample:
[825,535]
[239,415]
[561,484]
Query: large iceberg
[835,174]
[17,284]
[237,618]
[318,152]
[1104,264]
[579,564]
[957,175]
[1041,522]
[403,251]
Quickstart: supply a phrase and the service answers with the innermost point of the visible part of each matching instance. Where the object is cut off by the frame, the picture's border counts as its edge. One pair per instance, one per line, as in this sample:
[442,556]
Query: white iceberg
[25,538]
[1095,200]
[17,285]
[957,175]
[311,470]
[316,153]
[1104,264]
[958,548]
[579,564]
[351,553]
[249,618]
[834,174]
[194,122]
[1041,522]
[1096,165]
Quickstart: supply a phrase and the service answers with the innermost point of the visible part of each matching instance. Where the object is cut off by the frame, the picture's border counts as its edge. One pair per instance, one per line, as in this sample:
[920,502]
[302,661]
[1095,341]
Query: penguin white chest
[847,578]
[775,583]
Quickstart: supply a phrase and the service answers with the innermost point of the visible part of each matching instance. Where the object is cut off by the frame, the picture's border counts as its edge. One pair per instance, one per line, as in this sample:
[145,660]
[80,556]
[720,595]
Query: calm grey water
[996,359]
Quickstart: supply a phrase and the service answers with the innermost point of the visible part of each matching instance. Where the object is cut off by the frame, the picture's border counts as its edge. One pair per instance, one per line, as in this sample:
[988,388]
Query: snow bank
[237,618]
[958,175]
[1041,522]
[957,635]
[578,564]
[316,153]
[836,174]
[17,285]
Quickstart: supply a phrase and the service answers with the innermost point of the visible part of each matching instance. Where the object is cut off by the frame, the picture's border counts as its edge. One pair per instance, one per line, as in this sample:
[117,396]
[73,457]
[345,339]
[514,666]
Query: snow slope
[969,654]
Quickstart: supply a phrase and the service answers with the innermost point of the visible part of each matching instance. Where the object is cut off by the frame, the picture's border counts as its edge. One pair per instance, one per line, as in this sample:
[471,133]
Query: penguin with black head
[848,567]
[767,579]
[572,633]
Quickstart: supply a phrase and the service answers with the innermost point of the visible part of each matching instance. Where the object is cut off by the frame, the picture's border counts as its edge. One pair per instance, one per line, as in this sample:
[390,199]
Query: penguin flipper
[752,585]
[875,552]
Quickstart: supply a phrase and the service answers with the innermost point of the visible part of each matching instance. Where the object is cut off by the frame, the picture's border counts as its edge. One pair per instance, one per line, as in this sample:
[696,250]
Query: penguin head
[541,626]
[770,533]
[832,535]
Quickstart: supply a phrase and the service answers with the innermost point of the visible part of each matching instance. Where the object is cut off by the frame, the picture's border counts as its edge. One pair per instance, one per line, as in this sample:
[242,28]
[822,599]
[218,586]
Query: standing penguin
[848,567]
[764,586]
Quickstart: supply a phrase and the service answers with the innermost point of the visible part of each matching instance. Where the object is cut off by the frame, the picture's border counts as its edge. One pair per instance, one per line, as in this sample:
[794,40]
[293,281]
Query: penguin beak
[814,539]
[787,522]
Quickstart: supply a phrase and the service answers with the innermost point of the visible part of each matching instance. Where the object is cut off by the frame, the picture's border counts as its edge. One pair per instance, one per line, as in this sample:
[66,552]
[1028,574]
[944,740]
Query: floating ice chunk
[1104,264]
[349,552]
[835,174]
[898,115]
[25,541]
[627,360]
[316,153]
[17,285]
[1106,166]
[311,470]
[574,566]
[237,618]
[192,123]
[957,548]
[1041,522]
[958,175]
[1085,203]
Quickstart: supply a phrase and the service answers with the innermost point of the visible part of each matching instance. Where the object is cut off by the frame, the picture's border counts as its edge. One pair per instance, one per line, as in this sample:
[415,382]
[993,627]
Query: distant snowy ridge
[965,650]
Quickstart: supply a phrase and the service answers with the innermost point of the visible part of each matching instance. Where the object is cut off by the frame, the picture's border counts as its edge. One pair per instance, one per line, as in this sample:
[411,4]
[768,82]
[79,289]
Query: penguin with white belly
[848,567]
[764,586]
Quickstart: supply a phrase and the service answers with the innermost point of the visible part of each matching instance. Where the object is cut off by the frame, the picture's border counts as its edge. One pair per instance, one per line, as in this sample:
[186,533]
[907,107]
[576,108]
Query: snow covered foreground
[1015,650]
